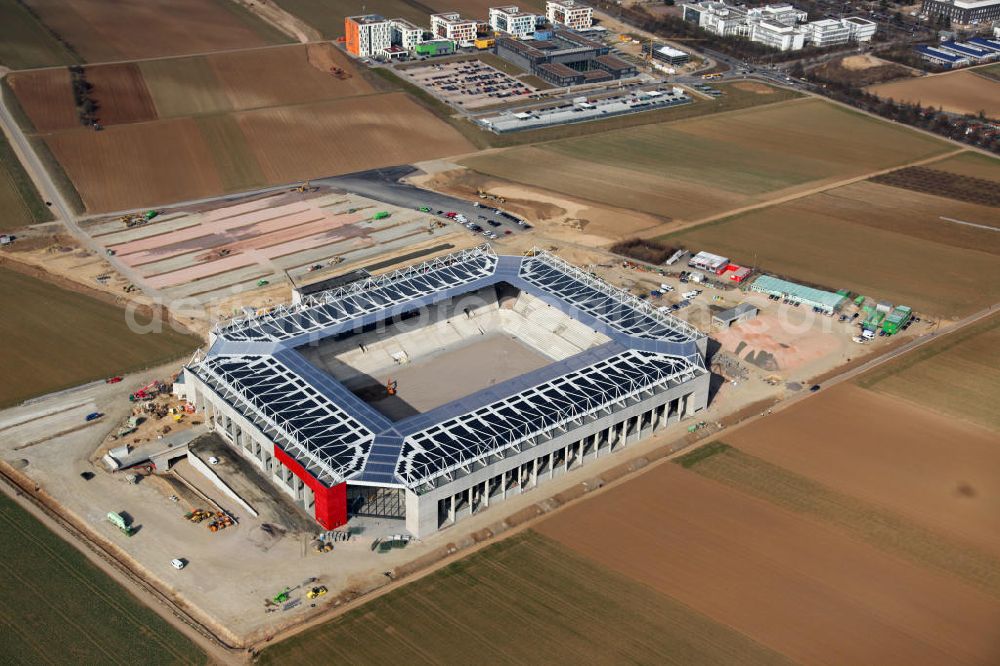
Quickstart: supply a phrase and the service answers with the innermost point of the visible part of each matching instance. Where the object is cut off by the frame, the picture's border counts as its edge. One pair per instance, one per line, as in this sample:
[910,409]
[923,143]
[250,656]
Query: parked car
[178,563]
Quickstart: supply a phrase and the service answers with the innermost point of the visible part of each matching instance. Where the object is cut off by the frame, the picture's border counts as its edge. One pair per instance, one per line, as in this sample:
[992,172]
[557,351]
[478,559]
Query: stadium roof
[254,365]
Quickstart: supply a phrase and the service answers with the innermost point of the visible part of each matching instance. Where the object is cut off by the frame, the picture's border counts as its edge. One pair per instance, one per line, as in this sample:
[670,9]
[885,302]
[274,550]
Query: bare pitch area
[881,241]
[786,581]
[452,373]
[523,600]
[959,92]
[697,167]
[101,30]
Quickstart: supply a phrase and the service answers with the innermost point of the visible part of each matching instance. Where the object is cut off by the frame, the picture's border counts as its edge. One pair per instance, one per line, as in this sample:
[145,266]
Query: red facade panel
[330,509]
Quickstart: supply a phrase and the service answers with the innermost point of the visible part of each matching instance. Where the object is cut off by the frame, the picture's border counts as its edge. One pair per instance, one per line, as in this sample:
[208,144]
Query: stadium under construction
[433,392]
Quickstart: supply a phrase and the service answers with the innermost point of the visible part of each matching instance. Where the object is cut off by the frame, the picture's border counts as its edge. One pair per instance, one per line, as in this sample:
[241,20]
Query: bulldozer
[318,591]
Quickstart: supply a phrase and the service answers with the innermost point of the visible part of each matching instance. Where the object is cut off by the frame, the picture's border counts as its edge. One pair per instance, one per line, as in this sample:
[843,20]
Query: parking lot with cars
[470,84]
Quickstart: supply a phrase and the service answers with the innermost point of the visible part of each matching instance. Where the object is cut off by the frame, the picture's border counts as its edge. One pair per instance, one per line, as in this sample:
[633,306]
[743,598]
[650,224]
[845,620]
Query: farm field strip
[767,150]
[932,470]
[876,235]
[19,200]
[962,91]
[101,31]
[969,163]
[524,599]
[73,339]
[874,525]
[26,43]
[949,376]
[779,577]
[83,612]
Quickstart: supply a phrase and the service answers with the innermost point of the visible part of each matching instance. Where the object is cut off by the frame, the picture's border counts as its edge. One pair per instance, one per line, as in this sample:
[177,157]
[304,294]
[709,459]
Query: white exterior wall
[828,33]
[594,438]
[406,35]
[777,36]
[568,13]
[863,32]
[451,26]
[517,473]
[517,24]
[248,440]
[374,38]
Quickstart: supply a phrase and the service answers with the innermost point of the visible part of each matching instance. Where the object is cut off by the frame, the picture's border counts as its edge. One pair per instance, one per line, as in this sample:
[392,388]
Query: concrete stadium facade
[622,371]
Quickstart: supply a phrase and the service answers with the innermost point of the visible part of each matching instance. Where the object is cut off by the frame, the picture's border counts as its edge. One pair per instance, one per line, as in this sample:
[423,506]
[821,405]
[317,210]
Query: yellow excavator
[304,187]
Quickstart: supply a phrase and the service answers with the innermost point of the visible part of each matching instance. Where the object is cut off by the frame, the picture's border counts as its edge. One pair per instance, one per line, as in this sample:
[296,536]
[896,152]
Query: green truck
[896,319]
[381,215]
[121,523]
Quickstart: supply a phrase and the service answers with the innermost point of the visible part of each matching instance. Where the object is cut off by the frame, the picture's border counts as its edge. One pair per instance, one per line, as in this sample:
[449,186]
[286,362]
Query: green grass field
[971,164]
[73,339]
[523,600]
[958,374]
[869,523]
[708,164]
[19,200]
[25,42]
[56,607]
[183,87]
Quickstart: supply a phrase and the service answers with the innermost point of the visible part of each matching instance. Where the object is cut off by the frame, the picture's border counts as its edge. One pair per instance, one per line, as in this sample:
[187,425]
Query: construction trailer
[707,261]
[735,315]
[875,315]
[827,301]
[896,319]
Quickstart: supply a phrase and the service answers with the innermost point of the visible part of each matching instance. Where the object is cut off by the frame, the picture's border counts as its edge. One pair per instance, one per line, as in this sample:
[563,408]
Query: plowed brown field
[128,166]
[101,30]
[148,164]
[292,75]
[786,581]
[936,471]
[47,97]
[120,93]
[298,142]
[959,92]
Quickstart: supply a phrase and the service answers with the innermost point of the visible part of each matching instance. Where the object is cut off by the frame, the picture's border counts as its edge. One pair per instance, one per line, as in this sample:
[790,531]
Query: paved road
[384,185]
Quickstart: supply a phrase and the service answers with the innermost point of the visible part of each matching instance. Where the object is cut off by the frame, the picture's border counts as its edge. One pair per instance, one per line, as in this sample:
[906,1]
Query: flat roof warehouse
[330,438]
